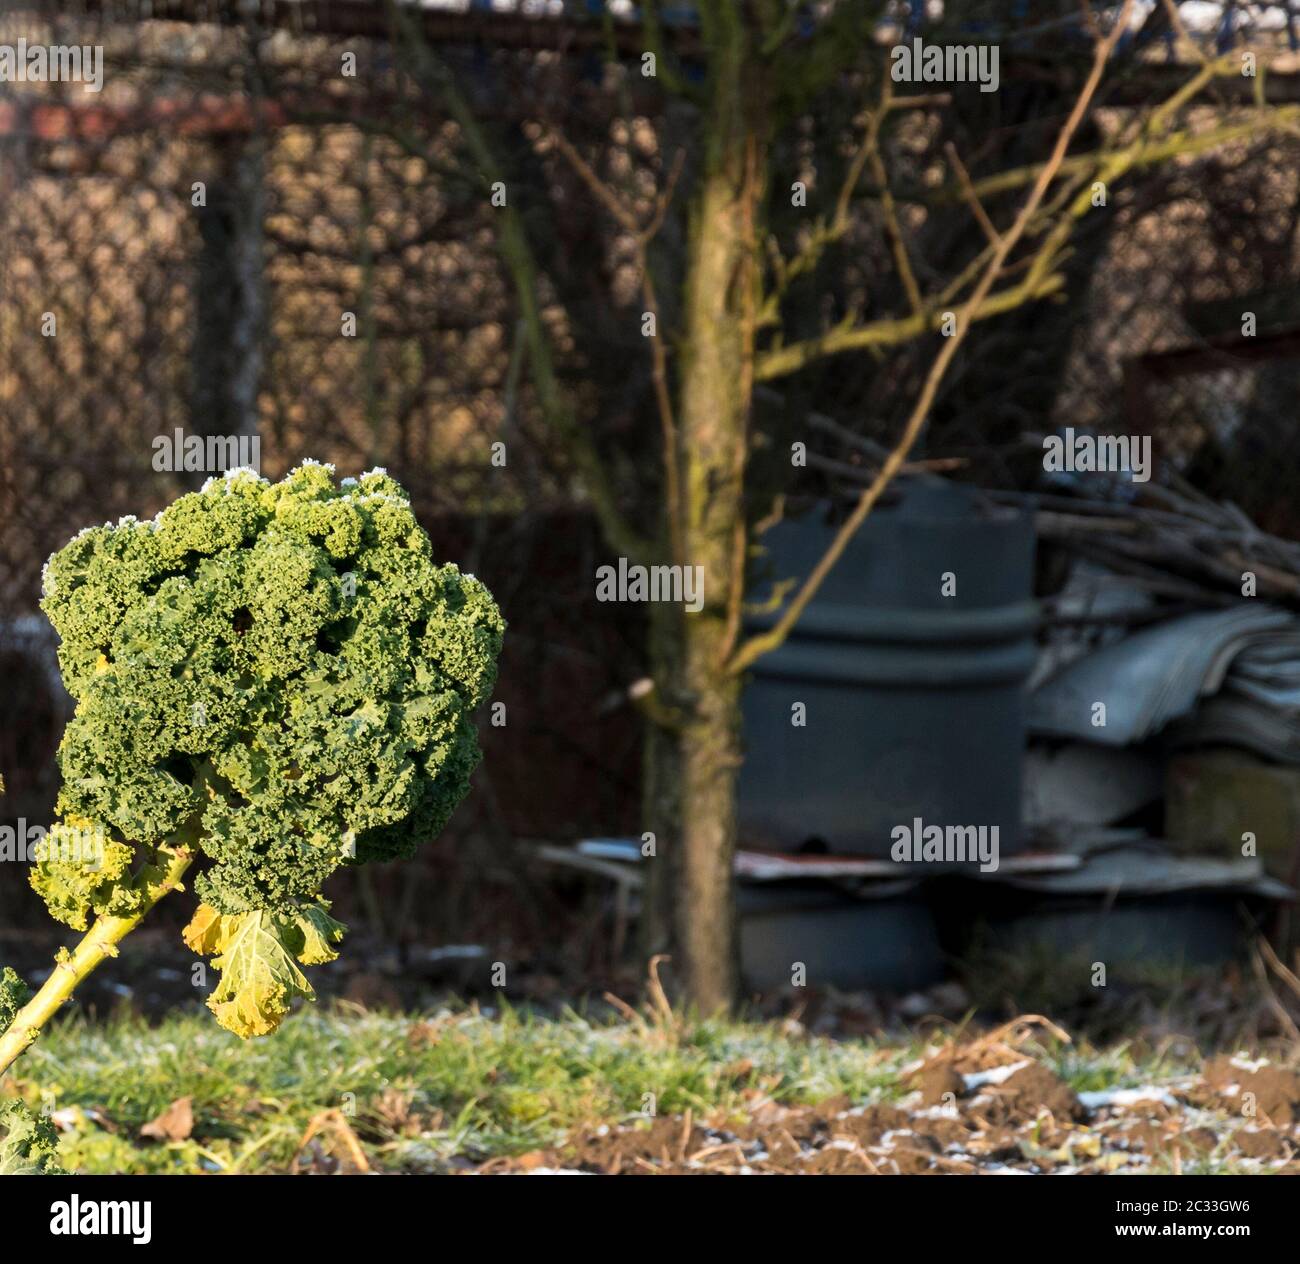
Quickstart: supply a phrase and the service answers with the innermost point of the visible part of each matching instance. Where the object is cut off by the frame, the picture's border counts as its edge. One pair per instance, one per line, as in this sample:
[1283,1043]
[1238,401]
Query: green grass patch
[417,1091]
[423,1093]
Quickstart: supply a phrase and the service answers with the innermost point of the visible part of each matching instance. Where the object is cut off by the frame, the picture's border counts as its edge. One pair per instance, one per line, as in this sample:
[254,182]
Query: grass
[416,1091]
[426,1093]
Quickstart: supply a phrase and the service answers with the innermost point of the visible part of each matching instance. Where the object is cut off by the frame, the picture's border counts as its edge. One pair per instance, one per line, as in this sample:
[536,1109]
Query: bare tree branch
[824,234]
[889,209]
[1148,147]
[516,253]
[781,361]
[642,235]
[765,642]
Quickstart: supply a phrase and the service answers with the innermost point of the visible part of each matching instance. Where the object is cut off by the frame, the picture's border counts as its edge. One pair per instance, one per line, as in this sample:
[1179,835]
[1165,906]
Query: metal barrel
[907,671]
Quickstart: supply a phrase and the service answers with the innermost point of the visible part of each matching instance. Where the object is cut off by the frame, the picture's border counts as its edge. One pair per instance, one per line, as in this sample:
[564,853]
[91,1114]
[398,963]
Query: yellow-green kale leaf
[79,872]
[257,954]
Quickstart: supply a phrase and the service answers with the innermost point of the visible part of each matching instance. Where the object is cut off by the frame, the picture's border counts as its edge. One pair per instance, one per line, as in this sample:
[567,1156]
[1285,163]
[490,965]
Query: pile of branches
[1169,538]
[1172,539]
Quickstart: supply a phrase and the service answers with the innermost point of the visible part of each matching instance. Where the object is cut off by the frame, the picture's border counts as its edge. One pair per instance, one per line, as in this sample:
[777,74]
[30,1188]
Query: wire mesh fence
[262,228]
[234,242]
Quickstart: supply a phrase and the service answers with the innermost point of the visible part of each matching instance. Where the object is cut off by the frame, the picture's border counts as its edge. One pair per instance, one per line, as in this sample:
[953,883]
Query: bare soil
[982,1108]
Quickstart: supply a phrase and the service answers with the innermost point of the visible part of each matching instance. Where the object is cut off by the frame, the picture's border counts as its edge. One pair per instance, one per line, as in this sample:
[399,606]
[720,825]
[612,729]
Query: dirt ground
[981,1108]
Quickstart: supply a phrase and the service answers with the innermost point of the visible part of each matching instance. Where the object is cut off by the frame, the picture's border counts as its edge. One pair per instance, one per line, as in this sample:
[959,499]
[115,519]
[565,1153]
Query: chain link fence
[265,230]
[234,239]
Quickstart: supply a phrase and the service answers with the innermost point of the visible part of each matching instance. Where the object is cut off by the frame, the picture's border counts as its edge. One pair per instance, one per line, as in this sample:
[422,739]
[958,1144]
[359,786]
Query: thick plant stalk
[99,941]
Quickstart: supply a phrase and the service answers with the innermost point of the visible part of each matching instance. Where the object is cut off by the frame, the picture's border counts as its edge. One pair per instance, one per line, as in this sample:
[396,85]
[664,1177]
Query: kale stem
[99,941]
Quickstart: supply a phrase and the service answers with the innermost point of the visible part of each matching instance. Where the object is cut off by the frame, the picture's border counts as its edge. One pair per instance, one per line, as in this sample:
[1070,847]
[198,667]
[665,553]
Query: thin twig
[1270,997]
[972,198]
[889,209]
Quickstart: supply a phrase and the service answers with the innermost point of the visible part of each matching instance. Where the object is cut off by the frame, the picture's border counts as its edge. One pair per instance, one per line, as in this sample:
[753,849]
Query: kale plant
[271,680]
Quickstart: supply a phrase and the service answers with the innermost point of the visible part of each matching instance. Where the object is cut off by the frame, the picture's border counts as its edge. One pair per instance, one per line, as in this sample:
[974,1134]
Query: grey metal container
[1197,928]
[1132,902]
[883,940]
[914,700]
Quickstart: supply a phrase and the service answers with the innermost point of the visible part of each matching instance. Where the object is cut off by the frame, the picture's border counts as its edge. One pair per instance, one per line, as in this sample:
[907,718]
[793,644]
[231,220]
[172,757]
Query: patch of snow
[1245,1064]
[1125,1097]
[995,1075]
[455,952]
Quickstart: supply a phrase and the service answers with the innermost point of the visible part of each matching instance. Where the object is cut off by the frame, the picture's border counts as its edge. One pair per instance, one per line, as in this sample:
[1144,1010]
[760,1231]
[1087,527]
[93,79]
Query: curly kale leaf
[29,1146]
[78,872]
[14,994]
[279,676]
[283,663]
[314,934]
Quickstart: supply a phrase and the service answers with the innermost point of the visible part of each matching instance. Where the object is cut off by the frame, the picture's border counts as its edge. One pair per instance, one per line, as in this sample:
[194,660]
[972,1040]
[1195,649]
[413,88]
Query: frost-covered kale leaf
[278,674]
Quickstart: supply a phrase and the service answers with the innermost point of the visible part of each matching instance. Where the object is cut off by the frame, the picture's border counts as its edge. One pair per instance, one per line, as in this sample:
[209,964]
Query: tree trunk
[713,418]
[661,786]
[706,919]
